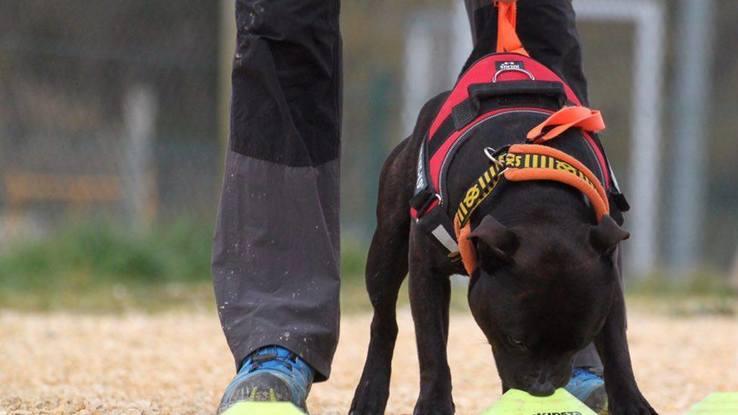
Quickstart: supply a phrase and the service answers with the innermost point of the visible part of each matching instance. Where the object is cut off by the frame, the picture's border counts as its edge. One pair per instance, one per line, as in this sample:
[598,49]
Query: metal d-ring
[490,153]
[530,75]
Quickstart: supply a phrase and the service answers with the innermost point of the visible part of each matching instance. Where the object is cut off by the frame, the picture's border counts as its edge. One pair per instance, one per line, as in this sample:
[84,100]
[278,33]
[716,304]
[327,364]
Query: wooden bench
[24,188]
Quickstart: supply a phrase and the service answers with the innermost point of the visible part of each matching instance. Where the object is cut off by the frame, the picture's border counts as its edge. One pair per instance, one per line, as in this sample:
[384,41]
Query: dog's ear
[606,235]
[501,241]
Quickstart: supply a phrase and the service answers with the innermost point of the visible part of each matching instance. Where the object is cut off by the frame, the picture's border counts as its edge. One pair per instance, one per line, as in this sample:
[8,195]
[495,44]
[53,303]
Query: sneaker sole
[263,408]
[266,390]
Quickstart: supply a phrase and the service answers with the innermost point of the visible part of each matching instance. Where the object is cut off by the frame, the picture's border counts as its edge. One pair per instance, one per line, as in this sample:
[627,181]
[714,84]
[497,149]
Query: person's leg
[589,358]
[276,247]
[548,31]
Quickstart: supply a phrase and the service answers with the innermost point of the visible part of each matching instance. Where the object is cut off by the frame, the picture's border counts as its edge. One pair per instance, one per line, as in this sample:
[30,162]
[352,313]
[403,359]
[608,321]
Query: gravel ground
[178,363]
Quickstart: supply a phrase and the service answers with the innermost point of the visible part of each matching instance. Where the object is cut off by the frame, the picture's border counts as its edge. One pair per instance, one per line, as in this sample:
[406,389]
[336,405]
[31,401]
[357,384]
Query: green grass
[92,254]
[703,292]
[98,267]
[102,267]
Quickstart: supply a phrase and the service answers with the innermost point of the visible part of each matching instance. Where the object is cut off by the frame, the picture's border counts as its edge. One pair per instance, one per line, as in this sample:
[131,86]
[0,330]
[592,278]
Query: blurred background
[113,126]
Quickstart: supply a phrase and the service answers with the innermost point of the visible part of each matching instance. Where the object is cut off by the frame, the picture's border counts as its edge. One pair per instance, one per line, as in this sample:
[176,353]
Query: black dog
[547,282]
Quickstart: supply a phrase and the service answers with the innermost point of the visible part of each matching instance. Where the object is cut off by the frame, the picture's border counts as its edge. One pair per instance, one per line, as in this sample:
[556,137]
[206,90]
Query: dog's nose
[542,388]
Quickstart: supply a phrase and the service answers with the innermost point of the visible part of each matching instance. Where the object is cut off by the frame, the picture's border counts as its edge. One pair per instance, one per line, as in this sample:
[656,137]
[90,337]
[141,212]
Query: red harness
[499,76]
[495,69]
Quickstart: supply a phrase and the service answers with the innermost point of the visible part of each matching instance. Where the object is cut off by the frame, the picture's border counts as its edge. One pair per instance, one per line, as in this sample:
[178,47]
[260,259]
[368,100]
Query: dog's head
[542,292]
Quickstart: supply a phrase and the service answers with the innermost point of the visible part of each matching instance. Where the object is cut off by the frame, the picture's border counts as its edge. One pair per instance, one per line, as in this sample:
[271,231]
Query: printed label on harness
[510,65]
[483,187]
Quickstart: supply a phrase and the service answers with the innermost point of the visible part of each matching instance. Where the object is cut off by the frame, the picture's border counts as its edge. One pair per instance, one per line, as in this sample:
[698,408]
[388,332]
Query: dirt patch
[178,363]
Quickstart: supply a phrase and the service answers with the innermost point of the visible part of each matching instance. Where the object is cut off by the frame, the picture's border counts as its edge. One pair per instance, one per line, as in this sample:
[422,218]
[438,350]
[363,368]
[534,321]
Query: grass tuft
[99,265]
[103,267]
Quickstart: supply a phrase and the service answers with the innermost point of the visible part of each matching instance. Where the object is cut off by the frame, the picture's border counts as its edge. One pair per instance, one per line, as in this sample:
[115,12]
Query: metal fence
[106,111]
[114,111]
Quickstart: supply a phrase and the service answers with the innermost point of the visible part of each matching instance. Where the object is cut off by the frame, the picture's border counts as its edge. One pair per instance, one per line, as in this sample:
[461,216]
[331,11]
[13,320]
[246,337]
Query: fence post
[734,271]
[691,134]
[644,184]
[139,179]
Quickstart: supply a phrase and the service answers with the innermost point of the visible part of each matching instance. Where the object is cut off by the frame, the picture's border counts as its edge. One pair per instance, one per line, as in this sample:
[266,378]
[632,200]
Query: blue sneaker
[270,374]
[589,388]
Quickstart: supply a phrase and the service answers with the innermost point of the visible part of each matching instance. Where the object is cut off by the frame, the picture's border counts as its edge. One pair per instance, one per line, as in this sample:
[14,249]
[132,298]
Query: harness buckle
[422,201]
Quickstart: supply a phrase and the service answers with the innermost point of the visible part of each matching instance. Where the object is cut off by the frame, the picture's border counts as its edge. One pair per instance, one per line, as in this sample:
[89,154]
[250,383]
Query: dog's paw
[434,407]
[631,406]
[370,397]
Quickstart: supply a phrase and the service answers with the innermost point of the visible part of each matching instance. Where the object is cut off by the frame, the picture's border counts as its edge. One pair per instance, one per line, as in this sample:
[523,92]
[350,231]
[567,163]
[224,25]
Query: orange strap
[592,188]
[507,37]
[564,119]
[467,251]
[564,173]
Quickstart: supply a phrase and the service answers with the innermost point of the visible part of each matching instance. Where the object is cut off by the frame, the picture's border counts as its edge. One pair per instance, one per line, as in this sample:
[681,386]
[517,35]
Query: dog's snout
[538,388]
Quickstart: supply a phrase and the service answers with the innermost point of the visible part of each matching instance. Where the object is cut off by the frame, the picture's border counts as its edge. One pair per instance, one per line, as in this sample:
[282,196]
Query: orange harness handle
[591,187]
[507,37]
[555,165]
[564,119]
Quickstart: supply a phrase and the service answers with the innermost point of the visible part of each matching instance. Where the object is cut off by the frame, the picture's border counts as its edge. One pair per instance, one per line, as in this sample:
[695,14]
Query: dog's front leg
[430,293]
[624,397]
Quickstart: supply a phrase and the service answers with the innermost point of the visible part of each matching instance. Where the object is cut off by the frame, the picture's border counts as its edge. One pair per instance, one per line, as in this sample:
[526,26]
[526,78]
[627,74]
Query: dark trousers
[276,247]
[547,29]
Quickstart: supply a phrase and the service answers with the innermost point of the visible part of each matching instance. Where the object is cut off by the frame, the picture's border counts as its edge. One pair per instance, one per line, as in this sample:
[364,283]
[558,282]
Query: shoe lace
[278,359]
[584,375]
